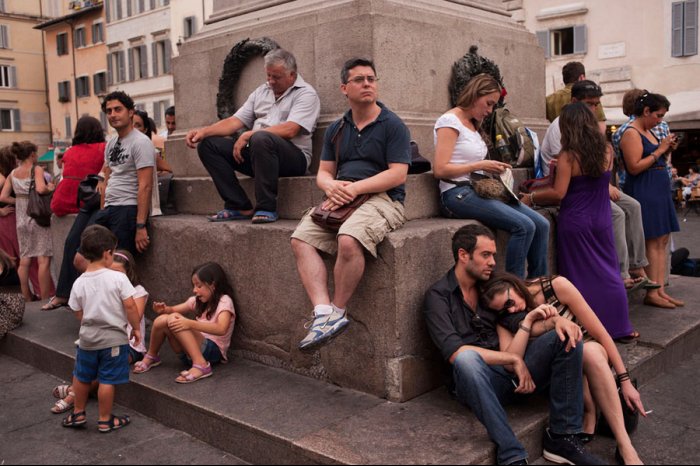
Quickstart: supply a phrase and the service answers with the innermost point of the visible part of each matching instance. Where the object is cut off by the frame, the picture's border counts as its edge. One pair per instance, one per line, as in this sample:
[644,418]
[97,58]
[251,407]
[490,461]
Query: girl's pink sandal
[187,377]
[143,366]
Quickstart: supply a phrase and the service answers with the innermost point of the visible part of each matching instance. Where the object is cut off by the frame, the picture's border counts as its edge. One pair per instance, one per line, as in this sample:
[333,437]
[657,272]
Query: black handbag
[419,164]
[89,198]
[630,416]
[39,206]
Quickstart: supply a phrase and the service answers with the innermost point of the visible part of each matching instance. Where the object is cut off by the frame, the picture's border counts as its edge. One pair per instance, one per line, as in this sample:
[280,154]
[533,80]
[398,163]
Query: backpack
[515,133]
[682,264]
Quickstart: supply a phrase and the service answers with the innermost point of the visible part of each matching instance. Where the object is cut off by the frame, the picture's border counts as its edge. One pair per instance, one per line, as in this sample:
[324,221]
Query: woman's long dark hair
[8,161]
[215,277]
[148,126]
[499,283]
[88,130]
[581,136]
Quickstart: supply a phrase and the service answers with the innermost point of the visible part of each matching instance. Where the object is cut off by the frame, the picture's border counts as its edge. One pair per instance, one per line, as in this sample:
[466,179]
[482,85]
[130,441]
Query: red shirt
[78,162]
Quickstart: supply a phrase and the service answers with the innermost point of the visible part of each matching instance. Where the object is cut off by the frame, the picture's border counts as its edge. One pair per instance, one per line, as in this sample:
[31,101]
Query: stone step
[266,415]
[198,195]
[385,352]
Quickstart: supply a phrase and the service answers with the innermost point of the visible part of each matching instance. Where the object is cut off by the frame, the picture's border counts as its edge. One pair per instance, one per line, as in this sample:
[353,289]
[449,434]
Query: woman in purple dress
[586,246]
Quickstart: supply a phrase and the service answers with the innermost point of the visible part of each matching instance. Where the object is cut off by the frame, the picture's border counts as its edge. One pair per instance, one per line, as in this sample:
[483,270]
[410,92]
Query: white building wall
[143,29]
[628,45]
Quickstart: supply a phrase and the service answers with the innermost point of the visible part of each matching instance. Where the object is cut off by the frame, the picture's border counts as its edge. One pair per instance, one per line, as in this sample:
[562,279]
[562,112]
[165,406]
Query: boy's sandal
[187,377]
[636,283]
[62,406]
[61,391]
[72,420]
[108,426]
[142,366]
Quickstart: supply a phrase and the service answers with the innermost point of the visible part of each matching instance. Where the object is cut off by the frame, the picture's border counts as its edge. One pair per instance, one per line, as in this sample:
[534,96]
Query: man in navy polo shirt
[373,151]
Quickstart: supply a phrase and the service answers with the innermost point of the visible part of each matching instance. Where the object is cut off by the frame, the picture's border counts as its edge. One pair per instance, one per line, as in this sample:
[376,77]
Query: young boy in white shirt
[102,300]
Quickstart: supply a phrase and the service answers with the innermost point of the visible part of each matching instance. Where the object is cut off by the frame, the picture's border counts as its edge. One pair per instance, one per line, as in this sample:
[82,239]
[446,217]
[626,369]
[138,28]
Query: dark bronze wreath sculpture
[235,62]
[469,66]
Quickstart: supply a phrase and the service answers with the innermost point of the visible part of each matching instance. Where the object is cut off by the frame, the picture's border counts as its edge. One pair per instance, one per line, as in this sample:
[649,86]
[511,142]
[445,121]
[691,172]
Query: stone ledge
[265,415]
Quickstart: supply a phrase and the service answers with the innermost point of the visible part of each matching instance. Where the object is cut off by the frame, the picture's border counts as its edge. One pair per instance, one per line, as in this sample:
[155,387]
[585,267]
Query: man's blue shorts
[108,366]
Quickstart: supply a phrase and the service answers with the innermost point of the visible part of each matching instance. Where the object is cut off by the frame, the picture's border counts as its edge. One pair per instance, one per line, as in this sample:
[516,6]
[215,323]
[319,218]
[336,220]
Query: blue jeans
[529,230]
[485,389]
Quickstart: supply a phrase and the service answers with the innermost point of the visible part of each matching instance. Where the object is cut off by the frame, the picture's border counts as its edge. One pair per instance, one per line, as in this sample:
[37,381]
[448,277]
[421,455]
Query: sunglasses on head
[508,304]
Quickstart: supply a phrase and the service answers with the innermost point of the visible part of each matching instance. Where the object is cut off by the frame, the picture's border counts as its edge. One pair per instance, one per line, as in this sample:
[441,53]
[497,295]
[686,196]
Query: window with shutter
[580,39]
[16,121]
[4,38]
[6,119]
[69,127]
[62,44]
[97,33]
[122,66]
[64,91]
[82,87]
[5,76]
[143,55]
[690,28]
[99,83]
[677,29]
[543,39]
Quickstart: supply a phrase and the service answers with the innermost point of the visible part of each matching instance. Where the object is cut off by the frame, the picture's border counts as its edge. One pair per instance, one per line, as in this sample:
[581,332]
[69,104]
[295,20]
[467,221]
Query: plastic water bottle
[505,154]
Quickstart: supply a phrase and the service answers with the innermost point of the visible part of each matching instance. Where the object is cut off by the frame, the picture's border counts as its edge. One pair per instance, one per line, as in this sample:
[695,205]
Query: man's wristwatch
[140,226]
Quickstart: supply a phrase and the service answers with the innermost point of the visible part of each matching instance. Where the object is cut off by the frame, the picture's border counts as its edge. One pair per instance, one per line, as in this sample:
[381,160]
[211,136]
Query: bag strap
[32,180]
[334,140]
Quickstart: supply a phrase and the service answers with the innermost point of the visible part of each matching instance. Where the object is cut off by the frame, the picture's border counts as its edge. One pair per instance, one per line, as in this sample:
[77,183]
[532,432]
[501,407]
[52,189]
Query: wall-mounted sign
[616,50]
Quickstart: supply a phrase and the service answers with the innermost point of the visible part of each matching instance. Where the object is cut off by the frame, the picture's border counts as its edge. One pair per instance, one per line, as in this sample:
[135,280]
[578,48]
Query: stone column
[414,44]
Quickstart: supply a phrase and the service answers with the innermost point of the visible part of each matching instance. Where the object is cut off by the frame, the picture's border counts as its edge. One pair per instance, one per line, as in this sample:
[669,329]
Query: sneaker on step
[323,328]
[566,449]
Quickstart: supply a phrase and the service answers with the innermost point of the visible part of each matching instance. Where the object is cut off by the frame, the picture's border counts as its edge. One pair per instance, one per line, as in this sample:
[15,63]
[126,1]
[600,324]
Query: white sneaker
[323,328]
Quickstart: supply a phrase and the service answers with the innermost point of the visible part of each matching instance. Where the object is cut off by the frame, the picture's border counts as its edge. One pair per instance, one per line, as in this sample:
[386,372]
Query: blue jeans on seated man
[529,230]
[485,389]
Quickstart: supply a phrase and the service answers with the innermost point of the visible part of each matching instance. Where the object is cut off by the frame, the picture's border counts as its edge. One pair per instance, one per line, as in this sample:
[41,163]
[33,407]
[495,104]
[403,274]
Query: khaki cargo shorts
[369,225]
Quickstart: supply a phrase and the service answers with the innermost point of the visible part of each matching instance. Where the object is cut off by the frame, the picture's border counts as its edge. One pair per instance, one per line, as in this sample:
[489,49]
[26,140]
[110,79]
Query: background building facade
[143,36]
[648,44]
[24,113]
[76,66]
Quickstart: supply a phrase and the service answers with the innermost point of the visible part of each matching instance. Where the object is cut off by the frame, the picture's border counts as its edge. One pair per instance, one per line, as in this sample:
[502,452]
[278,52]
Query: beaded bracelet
[622,377]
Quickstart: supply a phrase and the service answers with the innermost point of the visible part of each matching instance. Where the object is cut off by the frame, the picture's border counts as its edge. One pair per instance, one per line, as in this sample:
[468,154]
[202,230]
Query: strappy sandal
[53,305]
[72,420]
[62,405]
[106,427]
[61,391]
[629,338]
[142,366]
[187,377]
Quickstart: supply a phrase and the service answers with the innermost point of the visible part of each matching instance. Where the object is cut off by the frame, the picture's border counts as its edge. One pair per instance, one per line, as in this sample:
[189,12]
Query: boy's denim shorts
[210,351]
[108,366]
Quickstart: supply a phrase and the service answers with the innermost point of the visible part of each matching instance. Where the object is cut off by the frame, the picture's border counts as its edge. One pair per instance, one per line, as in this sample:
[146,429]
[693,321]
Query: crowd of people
[501,336]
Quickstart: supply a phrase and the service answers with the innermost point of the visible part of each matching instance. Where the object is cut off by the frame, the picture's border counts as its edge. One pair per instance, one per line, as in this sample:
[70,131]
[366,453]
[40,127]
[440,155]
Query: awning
[685,108]
[48,157]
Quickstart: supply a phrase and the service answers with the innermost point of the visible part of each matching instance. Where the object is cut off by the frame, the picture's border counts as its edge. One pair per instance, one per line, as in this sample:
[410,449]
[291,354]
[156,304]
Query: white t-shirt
[100,295]
[470,147]
[140,292]
[551,145]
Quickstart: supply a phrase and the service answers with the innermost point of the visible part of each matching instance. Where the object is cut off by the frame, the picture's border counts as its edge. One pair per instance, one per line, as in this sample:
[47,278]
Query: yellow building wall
[25,54]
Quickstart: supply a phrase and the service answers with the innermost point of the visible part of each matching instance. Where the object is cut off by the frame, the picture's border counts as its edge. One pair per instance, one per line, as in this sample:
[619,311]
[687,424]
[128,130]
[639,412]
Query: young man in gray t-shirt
[127,187]
[128,172]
